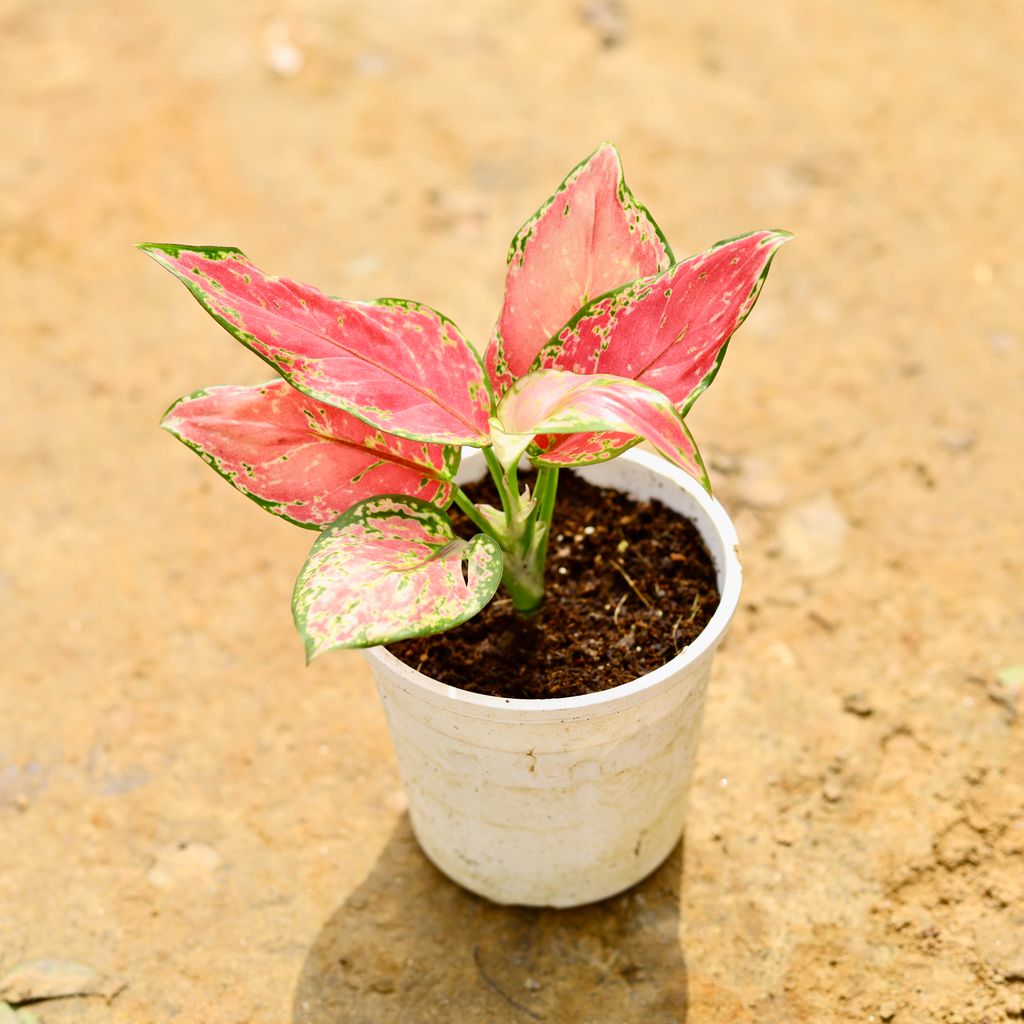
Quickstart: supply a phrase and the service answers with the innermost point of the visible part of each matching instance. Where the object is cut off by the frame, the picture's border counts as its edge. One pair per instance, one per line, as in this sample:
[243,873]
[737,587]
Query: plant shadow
[410,947]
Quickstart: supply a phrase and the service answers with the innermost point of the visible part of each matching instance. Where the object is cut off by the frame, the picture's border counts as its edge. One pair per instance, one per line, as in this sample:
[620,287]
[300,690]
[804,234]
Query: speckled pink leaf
[670,331]
[390,568]
[397,365]
[558,402]
[591,236]
[301,459]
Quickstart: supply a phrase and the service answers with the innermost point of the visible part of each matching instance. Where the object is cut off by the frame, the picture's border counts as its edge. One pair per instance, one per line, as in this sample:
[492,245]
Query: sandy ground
[186,807]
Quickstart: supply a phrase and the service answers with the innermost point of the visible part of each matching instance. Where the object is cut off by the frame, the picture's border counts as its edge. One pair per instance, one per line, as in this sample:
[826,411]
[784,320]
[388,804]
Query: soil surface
[185,807]
[629,584]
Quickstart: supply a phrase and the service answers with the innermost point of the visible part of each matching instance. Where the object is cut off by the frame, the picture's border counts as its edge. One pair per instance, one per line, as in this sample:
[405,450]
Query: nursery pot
[568,800]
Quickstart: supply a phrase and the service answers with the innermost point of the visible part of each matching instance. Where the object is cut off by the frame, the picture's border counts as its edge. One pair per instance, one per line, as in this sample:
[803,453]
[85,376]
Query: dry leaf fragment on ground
[8,1015]
[56,979]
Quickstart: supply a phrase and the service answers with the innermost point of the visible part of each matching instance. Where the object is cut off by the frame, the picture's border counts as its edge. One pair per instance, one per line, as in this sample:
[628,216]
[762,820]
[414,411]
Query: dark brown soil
[629,585]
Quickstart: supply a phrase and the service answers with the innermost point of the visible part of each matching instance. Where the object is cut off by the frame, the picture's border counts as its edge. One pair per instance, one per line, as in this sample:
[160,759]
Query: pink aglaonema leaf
[300,459]
[391,567]
[558,402]
[670,331]
[591,236]
[397,365]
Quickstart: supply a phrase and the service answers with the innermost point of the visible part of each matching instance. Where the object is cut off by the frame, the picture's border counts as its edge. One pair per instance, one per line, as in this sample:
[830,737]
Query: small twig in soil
[675,630]
[618,608]
[497,988]
[697,602]
[632,586]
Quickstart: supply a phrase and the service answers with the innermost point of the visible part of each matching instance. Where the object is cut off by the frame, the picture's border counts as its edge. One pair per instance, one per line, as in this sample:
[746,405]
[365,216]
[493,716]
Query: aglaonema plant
[604,340]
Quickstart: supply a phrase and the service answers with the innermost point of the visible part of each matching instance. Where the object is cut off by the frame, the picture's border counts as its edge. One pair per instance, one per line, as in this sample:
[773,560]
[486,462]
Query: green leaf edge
[220,252]
[479,539]
[778,238]
[525,232]
[273,507]
[526,229]
[548,349]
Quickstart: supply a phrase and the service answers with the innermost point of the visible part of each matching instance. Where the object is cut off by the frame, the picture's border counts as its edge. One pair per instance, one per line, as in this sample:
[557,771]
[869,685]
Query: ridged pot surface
[564,801]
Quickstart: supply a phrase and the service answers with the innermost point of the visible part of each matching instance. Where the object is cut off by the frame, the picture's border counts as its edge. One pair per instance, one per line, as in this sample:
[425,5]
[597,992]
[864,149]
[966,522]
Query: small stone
[858,704]
[186,865]
[283,55]
[385,986]
[832,790]
[759,484]
[749,525]
[724,463]
[608,20]
[887,1010]
[914,919]
[56,979]
[812,535]
[1004,950]
[781,652]
[957,846]
[531,985]
[957,441]
[1002,342]
[372,64]
[786,834]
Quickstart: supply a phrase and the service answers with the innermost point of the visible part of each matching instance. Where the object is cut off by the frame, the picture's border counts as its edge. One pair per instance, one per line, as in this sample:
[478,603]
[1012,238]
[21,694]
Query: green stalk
[463,501]
[547,488]
[500,482]
[524,551]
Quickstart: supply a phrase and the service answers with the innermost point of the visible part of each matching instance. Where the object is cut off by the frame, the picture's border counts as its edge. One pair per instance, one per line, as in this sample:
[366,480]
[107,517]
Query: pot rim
[625,694]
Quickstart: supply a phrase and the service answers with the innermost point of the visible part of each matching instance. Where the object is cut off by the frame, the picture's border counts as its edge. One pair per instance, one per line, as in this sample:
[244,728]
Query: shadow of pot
[410,947]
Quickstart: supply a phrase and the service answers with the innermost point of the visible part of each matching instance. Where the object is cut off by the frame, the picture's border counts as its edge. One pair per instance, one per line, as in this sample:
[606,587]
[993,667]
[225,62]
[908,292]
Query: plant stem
[547,488]
[500,482]
[526,562]
[465,503]
[524,540]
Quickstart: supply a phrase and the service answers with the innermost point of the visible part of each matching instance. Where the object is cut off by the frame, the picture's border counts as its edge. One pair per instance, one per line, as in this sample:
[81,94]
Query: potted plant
[604,340]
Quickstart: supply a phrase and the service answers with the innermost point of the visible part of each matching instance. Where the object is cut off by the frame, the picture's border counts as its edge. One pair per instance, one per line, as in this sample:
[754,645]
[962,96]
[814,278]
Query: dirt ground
[186,807]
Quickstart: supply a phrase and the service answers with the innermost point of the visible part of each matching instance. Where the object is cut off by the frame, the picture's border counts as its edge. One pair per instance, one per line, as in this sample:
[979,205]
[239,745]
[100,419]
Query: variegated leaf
[591,236]
[390,568]
[669,331]
[558,402]
[301,459]
[397,365]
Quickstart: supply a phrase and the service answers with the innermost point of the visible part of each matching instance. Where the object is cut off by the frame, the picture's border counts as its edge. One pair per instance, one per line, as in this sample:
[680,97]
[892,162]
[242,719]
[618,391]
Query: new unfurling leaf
[557,402]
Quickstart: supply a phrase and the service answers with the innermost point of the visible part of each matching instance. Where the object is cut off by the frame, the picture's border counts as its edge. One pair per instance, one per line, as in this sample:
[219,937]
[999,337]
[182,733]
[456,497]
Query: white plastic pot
[563,801]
